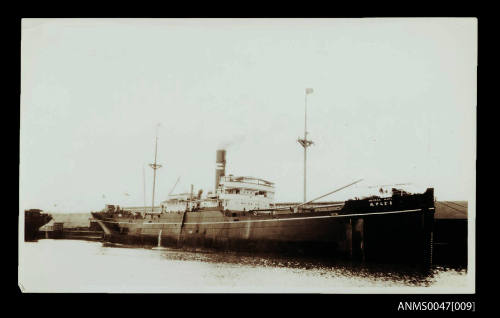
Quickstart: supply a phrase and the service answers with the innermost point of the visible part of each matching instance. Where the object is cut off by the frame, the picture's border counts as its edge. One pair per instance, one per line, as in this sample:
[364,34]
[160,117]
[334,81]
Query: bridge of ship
[234,193]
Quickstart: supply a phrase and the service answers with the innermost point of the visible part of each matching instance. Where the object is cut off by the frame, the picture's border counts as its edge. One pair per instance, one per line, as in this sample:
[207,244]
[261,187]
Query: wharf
[58,230]
[451,233]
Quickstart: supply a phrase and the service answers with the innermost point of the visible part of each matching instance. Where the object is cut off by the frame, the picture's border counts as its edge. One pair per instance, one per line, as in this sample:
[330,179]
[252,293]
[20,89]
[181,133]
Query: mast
[144,188]
[154,166]
[304,142]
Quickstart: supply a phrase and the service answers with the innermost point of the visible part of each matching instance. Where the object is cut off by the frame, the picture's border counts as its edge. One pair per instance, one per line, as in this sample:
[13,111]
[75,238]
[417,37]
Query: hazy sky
[394,102]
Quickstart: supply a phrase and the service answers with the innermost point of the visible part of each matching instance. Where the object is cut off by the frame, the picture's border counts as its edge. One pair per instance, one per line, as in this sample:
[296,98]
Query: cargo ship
[241,215]
[33,220]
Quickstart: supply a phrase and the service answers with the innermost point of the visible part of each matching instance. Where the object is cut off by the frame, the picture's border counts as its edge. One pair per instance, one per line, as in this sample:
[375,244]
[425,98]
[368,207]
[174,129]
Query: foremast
[154,166]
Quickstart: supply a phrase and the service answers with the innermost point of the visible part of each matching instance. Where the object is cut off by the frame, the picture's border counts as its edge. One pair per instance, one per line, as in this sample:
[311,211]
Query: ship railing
[249,180]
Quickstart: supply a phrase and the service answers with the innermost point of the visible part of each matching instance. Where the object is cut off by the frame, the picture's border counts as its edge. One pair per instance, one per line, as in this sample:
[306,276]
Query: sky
[394,102]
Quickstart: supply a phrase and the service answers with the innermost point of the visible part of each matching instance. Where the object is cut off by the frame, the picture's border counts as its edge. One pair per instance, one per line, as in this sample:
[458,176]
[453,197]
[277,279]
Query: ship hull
[400,236]
[213,230]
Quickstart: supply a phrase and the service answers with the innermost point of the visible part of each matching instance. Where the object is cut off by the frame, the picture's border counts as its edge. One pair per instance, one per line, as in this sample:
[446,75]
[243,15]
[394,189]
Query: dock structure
[78,226]
[451,233]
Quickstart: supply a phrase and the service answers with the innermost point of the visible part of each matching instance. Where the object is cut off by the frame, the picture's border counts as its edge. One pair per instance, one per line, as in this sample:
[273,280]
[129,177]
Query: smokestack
[220,166]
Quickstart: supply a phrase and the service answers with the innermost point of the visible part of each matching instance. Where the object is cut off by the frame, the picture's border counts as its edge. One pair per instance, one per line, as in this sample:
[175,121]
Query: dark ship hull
[33,220]
[397,229]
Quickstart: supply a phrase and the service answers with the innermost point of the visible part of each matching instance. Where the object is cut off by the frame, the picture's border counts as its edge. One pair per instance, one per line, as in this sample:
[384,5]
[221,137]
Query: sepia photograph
[248,155]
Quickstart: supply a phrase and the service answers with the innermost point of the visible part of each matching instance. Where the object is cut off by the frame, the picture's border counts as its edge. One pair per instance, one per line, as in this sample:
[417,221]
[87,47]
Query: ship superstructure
[245,193]
[234,193]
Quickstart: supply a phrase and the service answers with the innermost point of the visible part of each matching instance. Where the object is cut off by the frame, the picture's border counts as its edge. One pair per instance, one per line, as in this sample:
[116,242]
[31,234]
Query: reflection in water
[80,266]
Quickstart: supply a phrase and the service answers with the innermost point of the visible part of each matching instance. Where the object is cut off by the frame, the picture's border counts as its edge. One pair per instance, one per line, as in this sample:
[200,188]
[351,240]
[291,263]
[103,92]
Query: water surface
[83,266]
